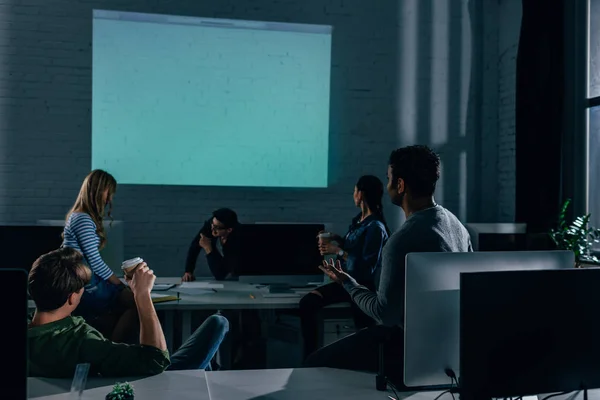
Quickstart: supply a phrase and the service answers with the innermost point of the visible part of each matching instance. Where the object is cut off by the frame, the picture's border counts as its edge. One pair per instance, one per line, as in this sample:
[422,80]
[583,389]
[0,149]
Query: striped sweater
[80,234]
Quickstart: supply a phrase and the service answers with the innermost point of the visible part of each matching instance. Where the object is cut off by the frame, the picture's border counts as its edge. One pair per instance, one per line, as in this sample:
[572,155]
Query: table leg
[186,325]
[168,328]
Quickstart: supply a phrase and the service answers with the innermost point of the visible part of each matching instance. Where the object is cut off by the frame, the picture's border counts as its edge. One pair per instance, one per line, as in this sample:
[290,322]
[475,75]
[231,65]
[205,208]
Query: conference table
[217,296]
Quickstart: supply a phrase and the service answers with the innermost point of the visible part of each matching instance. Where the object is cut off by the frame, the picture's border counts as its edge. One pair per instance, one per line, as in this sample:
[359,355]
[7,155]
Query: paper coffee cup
[128,266]
[324,237]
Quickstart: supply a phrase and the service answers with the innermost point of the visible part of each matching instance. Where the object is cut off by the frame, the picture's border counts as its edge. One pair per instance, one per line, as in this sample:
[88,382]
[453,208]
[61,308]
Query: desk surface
[233,295]
[276,384]
[180,385]
[297,383]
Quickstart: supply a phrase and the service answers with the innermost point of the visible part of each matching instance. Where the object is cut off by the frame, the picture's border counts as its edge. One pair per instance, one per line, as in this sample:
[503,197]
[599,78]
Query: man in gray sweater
[412,176]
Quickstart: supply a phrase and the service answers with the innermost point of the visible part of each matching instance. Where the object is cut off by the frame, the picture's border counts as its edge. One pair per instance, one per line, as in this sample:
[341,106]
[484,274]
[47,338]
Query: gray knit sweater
[431,230]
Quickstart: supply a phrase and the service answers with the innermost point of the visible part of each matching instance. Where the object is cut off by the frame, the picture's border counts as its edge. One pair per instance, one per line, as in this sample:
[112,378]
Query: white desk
[233,296]
[180,385]
[298,383]
[275,384]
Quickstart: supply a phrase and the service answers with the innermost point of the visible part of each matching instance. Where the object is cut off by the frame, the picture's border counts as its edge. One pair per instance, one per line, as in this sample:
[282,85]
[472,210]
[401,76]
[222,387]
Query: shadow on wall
[438,96]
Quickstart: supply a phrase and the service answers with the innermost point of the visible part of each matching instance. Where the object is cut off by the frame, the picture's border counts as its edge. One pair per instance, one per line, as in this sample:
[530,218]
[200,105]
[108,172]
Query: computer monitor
[431,318]
[13,297]
[22,244]
[280,250]
[529,332]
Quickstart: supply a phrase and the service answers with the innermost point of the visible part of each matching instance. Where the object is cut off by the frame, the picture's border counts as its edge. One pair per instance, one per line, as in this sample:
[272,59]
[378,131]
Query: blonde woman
[107,303]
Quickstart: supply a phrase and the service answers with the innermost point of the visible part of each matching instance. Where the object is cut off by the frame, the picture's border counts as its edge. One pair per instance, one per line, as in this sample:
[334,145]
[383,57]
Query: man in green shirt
[58,341]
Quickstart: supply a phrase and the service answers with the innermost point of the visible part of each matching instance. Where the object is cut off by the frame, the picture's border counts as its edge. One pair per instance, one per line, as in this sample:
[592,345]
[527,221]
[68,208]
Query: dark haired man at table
[57,341]
[220,239]
[412,176]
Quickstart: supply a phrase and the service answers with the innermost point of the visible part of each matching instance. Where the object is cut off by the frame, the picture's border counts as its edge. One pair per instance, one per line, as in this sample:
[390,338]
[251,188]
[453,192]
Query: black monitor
[280,249]
[22,244]
[13,298]
[529,332]
[432,305]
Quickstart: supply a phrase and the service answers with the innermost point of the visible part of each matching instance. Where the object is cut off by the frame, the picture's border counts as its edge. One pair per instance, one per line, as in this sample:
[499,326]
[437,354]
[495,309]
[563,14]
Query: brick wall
[509,22]
[401,74]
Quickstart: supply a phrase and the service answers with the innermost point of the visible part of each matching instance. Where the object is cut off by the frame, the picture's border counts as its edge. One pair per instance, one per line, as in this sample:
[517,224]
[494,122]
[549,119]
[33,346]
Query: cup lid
[132,262]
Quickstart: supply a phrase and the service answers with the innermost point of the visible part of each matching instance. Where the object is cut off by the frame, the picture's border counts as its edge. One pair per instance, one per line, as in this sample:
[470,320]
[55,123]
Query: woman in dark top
[219,237]
[360,252]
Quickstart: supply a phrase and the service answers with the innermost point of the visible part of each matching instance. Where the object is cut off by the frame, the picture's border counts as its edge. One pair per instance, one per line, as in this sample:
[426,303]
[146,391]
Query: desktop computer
[529,332]
[432,309]
[284,255]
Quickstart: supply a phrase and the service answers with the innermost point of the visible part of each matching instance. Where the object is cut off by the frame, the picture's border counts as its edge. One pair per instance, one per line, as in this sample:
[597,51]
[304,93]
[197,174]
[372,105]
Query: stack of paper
[201,285]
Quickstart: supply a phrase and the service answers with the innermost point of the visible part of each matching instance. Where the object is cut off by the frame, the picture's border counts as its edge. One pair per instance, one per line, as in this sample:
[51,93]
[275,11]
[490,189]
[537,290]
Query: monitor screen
[281,249]
[529,332]
[431,319]
[23,244]
[14,316]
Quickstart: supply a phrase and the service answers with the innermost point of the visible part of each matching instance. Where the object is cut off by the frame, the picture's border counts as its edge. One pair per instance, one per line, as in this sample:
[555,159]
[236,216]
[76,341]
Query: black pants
[360,352]
[310,306]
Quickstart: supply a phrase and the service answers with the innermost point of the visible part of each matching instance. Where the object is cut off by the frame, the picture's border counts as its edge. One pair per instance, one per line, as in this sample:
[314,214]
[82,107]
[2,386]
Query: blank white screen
[189,101]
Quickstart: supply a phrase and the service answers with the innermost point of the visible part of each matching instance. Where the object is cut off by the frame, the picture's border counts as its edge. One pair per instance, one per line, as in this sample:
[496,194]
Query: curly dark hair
[418,166]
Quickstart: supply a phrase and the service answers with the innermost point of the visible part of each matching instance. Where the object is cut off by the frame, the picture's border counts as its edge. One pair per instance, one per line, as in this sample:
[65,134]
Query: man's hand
[334,271]
[188,277]
[142,281]
[205,243]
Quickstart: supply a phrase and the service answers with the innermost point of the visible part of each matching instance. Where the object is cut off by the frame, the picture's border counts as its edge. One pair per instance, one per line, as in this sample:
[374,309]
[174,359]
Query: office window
[594,48]
[594,165]
[593,112]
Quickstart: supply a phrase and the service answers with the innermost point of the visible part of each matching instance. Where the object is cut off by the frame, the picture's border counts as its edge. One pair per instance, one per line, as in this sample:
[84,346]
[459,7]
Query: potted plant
[121,391]
[577,236]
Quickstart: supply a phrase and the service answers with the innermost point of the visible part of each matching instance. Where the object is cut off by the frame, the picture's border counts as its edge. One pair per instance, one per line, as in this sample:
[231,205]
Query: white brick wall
[397,79]
[509,22]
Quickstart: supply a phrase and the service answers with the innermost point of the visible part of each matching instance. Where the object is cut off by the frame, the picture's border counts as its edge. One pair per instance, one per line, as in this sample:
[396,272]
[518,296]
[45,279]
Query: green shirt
[56,348]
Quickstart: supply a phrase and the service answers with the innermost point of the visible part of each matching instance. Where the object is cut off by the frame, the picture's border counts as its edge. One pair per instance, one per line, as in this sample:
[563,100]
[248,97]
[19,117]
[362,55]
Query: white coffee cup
[128,266]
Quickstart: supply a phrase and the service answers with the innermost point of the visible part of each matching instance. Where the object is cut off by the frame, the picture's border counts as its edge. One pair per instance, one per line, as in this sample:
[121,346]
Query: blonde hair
[94,196]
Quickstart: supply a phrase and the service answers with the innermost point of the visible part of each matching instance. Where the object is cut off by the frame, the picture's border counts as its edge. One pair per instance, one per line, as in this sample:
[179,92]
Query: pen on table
[214,290]
[252,296]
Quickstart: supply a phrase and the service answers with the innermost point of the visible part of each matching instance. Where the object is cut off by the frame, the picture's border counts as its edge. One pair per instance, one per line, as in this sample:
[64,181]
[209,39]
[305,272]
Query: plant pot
[115,397]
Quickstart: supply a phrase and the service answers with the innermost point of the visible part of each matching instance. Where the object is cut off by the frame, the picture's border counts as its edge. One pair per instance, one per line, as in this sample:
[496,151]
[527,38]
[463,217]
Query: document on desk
[201,285]
[158,287]
[194,291]
[198,288]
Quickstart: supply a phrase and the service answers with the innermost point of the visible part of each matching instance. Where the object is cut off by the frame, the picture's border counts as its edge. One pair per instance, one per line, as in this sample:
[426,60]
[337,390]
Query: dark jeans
[360,352]
[310,306]
[200,348]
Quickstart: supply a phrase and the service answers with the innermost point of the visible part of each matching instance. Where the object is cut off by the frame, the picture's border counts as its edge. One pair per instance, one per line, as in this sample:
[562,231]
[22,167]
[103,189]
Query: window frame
[590,102]
[575,149]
